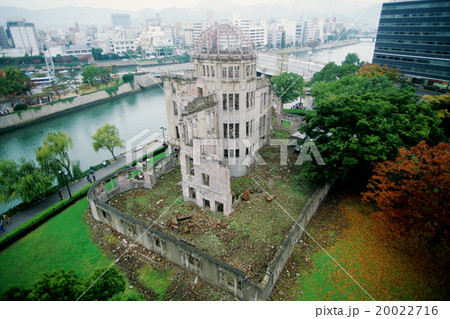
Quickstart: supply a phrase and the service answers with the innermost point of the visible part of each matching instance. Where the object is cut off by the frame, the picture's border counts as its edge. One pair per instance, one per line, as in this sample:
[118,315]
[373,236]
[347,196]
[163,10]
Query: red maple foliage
[412,193]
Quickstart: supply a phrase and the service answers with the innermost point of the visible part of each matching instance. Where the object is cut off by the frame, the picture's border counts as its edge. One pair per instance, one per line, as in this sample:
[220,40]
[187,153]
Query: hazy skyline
[159,5]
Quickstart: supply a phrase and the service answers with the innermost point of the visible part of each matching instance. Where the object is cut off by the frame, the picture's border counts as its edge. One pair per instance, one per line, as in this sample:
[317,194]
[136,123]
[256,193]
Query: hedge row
[42,217]
[299,111]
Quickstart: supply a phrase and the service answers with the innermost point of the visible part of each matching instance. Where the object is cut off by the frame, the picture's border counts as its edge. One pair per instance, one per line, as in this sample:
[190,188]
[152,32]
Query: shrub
[128,77]
[299,111]
[20,107]
[112,90]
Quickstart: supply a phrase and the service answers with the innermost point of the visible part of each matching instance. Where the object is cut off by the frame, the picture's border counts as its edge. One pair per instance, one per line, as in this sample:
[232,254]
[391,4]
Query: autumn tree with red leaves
[412,193]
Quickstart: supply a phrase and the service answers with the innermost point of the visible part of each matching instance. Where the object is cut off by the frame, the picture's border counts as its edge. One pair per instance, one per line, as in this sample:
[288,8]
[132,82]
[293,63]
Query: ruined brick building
[218,116]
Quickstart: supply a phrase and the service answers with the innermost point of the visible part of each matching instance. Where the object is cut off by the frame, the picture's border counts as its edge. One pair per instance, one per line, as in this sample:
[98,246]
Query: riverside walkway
[20,218]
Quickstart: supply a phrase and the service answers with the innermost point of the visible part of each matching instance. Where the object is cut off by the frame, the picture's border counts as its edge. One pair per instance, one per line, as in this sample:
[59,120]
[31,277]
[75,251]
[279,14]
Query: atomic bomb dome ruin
[219,115]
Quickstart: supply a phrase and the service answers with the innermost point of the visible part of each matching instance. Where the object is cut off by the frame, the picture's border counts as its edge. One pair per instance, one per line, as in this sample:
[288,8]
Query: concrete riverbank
[19,119]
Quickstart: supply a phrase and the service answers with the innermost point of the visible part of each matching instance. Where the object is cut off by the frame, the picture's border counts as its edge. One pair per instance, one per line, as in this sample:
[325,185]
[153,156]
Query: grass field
[63,242]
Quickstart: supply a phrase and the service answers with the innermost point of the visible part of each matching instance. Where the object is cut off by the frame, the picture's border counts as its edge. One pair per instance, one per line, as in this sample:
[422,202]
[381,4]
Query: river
[337,55]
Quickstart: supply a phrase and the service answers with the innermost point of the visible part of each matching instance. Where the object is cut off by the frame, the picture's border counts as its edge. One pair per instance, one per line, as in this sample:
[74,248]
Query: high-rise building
[414,37]
[4,44]
[23,36]
[121,20]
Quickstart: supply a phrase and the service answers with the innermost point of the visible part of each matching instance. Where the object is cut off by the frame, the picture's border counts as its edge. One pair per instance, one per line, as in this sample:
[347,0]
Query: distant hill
[66,16]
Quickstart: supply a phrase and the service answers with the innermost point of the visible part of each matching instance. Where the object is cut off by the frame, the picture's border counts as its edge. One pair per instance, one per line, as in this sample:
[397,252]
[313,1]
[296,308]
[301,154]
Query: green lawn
[63,242]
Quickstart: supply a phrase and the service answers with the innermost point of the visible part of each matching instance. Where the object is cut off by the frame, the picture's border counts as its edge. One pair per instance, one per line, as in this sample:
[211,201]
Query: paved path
[20,218]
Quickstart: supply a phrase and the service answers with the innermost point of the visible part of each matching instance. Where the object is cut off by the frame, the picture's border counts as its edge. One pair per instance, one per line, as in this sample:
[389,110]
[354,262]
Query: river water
[130,114]
[337,55]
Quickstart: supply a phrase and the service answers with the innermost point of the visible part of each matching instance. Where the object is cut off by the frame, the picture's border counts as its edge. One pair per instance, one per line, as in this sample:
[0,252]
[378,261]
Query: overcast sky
[158,5]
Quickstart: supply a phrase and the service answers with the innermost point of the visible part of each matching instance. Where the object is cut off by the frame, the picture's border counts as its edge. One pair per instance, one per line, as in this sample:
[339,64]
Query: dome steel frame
[224,40]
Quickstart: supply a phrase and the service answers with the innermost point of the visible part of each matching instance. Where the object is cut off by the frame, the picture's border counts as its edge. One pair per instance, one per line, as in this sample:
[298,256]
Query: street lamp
[65,179]
[164,137]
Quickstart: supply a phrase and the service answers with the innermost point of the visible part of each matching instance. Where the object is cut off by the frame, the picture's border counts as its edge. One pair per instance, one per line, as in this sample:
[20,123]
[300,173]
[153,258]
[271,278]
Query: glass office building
[414,37]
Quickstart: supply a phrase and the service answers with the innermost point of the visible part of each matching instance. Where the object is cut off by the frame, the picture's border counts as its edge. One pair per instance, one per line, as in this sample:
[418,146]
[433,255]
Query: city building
[414,37]
[121,46]
[23,36]
[121,20]
[218,116]
[257,33]
[4,43]
[76,49]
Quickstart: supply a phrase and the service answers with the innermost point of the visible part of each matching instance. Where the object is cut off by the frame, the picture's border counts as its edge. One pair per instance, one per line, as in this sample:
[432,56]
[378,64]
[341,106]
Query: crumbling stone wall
[287,122]
[208,268]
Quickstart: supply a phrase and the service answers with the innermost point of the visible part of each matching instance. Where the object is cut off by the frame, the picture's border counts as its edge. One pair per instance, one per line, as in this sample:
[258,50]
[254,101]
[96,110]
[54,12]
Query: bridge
[158,70]
[270,65]
[265,64]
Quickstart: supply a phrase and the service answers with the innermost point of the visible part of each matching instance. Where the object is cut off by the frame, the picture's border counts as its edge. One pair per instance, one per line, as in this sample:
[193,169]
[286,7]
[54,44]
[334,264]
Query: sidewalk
[25,215]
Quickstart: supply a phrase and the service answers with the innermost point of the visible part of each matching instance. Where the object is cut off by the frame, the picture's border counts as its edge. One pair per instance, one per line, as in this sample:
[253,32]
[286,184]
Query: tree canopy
[373,70]
[53,155]
[103,284]
[13,83]
[364,120]
[442,105]
[288,86]
[23,180]
[107,137]
[93,75]
[412,193]
[352,58]
[333,72]
[60,285]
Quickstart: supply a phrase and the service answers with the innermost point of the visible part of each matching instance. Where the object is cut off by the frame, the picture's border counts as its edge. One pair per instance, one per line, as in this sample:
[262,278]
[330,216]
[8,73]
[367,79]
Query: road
[270,64]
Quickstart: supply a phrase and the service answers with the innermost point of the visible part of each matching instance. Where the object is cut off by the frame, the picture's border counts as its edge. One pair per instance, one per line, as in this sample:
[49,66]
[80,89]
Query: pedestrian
[104,164]
[88,177]
[61,196]
[6,219]
[1,226]
[93,177]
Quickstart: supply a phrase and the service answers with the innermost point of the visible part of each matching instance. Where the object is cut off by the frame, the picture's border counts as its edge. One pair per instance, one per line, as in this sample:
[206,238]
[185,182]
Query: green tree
[13,84]
[53,155]
[15,293]
[57,285]
[97,54]
[90,73]
[288,86]
[128,77]
[60,285]
[57,88]
[332,72]
[139,50]
[24,180]
[107,137]
[313,44]
[352,58]
[360,121]
[103,284]
[105,75]
[442,105]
